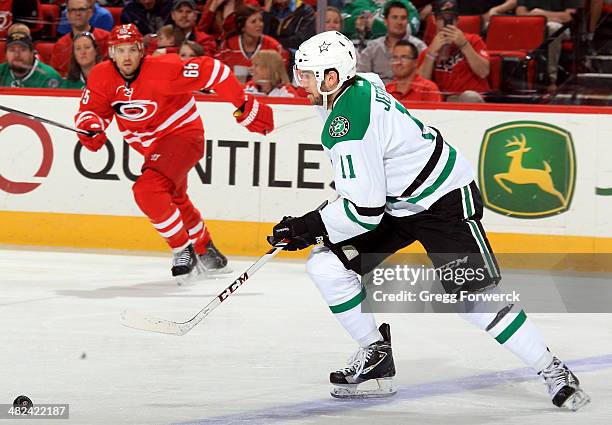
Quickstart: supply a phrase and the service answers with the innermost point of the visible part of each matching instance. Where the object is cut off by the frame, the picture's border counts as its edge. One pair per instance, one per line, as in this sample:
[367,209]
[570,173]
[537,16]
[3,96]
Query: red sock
[196,228]
[173,230]
[152,194]
[199,237]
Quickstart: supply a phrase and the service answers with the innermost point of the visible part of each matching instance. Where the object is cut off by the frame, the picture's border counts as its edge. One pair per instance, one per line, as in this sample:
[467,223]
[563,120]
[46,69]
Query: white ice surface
[262,357]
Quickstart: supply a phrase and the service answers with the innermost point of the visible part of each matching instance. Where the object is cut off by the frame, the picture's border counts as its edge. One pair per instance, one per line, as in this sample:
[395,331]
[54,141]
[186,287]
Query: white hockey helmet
[327,50]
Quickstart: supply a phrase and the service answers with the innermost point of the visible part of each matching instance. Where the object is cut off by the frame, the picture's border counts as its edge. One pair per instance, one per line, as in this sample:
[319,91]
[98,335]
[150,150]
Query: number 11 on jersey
[349,162]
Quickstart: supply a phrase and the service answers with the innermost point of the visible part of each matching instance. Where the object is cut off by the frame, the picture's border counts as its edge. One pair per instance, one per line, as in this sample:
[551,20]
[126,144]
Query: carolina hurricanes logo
[5,20]
[135,110]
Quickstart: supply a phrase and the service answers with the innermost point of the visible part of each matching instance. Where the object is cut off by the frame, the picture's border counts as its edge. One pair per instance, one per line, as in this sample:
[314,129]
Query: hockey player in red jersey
[151,98]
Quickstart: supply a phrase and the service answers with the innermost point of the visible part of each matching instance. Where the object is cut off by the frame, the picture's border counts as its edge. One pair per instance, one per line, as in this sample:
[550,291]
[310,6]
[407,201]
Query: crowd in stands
[423,50]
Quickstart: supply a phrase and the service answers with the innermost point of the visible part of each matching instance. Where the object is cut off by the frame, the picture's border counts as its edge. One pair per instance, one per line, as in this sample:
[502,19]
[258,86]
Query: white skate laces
[182,258]
[186,265]
[556,376]
[369,372]
[357,361]
[563,386]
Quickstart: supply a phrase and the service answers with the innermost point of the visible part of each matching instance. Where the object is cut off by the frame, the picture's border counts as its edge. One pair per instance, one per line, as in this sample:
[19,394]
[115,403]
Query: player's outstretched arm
[212,74]
[250,113]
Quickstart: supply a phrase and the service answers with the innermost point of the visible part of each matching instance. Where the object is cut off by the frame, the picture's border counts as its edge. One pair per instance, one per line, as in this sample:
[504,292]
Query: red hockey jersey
[62,50]
[159,100]
[233,54]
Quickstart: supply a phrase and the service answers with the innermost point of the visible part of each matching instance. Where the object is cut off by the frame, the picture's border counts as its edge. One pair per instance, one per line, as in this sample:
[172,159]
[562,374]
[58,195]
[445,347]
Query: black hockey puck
[23,402]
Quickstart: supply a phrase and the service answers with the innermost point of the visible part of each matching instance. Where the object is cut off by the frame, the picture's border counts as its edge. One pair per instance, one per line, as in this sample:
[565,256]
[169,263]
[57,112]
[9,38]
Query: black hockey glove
[301,231]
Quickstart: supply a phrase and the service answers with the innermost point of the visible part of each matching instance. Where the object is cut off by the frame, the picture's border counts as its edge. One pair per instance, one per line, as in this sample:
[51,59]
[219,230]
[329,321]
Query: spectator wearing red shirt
[407,85]
[458,63]
[79,13]
[238,50]
[219,17]
[184,15]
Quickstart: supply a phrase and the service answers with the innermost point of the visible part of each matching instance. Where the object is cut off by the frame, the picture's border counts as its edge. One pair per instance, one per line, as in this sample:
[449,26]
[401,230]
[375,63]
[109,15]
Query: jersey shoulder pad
[350,116]
[162,67]
[101,73]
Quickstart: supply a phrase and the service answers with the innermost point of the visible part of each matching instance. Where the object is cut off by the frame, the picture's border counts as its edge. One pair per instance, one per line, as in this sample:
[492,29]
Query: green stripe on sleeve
[512,328]
[354,219]
[347,305]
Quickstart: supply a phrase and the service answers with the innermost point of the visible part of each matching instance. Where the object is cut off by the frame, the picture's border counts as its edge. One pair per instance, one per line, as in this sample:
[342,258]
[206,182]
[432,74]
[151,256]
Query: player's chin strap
[326,93]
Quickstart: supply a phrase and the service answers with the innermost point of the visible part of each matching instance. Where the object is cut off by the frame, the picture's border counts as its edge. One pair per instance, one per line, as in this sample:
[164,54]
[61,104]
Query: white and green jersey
[384,159]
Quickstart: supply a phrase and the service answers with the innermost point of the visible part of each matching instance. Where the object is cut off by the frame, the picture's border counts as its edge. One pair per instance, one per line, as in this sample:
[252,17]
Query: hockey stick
[153,324]
[291,123]
[46,121]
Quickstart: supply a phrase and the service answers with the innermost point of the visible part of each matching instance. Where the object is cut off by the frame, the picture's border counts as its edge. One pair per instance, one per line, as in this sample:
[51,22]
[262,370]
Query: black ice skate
[563,386]
[186,265]
[372,362]
[213,261]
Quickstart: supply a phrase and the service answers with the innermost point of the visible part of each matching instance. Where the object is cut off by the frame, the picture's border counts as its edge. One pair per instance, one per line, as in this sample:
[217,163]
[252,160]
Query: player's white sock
[361,326]
[342,290]
[512,328]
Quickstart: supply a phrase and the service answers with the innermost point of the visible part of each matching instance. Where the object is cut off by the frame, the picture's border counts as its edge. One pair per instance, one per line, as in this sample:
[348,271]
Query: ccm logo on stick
[233,287]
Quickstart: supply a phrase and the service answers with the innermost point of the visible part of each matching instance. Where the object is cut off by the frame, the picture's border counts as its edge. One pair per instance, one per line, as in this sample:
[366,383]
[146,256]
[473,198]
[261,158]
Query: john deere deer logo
[520,175]
[527,181]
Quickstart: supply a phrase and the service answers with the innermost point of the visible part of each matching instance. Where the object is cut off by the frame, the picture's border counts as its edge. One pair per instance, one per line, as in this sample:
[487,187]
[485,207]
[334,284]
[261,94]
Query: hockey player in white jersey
[398,181]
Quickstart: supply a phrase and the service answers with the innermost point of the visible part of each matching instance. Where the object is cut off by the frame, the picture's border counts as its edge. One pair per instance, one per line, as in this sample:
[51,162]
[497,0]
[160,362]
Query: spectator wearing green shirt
[22,68]
[376,57]
[365,19]
[85,55]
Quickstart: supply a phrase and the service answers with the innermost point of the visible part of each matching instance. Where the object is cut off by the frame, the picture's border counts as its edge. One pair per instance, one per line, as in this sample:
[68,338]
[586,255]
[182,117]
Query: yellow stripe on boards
[232,237]
[124,233]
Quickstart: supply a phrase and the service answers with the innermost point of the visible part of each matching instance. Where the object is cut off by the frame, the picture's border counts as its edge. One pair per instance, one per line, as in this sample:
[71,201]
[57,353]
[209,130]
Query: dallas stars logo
[324,47]
[339,127]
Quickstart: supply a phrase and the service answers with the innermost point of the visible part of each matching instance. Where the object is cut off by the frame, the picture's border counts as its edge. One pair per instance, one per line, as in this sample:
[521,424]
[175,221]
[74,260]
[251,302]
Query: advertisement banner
[540,173]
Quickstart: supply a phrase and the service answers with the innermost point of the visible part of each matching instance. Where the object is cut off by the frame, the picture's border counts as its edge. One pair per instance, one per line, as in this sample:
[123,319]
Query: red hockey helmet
[127,33]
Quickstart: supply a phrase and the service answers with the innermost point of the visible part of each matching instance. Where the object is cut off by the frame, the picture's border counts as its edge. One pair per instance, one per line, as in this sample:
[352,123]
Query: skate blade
[577,400]
[352,392]
[218,273]
[196,274]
